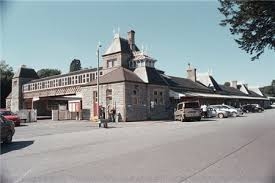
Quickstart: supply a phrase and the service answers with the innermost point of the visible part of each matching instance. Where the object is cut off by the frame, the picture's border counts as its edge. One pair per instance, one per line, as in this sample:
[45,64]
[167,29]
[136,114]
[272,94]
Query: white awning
[175,95]
[178,95]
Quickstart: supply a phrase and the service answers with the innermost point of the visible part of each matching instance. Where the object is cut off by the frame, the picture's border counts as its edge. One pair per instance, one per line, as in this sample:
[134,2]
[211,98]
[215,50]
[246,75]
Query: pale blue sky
[50,34]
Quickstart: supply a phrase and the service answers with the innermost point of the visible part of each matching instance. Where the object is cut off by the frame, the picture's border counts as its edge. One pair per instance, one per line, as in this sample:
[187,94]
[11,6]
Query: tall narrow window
[109,96]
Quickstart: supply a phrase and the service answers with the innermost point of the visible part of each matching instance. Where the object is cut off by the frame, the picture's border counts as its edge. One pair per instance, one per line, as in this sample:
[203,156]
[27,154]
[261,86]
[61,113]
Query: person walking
[204,111]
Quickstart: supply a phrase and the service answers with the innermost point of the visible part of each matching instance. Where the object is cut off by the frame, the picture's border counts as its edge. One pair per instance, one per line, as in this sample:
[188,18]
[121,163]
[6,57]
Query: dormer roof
[119,45]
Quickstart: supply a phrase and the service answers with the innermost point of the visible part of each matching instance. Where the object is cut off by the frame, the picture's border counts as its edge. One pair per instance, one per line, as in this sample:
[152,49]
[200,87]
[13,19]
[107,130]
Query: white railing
[60,81]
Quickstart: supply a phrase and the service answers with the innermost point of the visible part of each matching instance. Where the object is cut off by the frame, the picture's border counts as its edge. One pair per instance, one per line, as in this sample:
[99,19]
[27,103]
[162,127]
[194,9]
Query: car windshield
[192,105]
[6,113]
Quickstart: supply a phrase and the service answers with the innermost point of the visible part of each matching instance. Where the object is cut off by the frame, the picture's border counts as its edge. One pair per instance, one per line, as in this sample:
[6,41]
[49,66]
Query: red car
[10,116]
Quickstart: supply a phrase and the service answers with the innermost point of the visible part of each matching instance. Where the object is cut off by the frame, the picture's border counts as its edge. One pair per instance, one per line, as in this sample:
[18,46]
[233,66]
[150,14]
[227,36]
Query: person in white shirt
[204,110]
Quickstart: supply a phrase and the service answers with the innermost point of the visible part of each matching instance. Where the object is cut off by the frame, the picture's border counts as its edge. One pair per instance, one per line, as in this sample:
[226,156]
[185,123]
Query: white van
[189,110]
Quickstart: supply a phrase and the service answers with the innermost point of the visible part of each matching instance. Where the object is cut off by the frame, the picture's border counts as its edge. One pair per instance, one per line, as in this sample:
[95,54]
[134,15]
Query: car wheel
[234,114]
[182,119]
[199,119]
[220,115]
[8,138]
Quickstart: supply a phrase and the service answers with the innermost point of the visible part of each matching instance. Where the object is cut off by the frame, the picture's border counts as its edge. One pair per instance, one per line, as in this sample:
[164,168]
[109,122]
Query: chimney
[192,73]
[234,84]
[131,40]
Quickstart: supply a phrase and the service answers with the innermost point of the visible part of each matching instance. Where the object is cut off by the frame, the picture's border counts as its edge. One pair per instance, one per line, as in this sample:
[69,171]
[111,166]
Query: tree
[253,22]
[75,65]
[269,90]
[227,84]
[42,73]
[6,74]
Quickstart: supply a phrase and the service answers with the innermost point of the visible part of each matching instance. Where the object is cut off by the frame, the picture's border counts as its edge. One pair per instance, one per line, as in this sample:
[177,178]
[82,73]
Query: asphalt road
[229,150]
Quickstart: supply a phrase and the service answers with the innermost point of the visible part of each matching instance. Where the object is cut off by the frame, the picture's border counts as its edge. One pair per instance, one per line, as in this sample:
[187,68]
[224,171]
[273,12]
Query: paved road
[229,150]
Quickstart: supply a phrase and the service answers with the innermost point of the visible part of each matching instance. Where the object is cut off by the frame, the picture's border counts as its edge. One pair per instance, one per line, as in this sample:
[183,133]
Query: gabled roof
[9,96]
[24,72]
[254,94]
[118,75]
[227,90]
[119,45]
[185,84]
[208,81]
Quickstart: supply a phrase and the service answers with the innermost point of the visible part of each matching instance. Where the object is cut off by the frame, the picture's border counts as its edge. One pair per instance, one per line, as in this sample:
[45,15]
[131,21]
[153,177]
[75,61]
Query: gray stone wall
[125,104]
[118,98]
[159,110]
[136,110]
[8,104]
[122,61]
[87,97]
[144,110]
[16,93]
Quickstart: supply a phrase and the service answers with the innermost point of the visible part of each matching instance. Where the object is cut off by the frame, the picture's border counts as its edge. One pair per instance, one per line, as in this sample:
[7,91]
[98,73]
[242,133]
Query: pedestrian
[204,111]
[113,113]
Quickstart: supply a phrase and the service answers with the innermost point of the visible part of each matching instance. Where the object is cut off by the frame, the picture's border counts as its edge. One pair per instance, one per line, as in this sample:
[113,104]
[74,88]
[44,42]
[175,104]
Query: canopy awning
[175,95]
[178,95]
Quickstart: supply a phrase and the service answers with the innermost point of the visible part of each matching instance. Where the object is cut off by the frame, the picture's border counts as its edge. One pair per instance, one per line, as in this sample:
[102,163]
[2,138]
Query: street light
[98,110]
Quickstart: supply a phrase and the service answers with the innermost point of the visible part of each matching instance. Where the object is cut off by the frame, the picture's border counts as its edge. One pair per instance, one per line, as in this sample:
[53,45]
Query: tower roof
[118,75]
[24,72]
[119,44]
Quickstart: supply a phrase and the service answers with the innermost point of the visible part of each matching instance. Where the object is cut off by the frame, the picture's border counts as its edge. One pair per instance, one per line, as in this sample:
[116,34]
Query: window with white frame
[158,97]
[111,63]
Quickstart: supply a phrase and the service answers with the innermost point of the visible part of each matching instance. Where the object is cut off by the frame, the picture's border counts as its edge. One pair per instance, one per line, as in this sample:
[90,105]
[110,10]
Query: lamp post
[98,110]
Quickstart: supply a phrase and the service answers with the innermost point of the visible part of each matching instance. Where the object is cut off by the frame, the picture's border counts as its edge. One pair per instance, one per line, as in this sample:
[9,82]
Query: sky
[48,34]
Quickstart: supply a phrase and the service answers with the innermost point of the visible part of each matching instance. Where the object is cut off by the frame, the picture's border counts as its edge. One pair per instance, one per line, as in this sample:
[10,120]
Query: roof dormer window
[111,63]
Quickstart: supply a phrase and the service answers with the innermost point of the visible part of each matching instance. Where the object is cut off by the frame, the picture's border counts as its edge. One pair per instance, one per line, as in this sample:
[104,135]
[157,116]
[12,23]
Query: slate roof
[119,45]
[227,90]
[215,84]
[67,74]
[154,77]
[183,84]
[254,94]
[118,75]
[26,73]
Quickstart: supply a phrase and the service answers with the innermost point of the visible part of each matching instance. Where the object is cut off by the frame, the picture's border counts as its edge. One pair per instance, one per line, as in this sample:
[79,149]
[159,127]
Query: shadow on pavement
[15,146]
[21,126]
[206,120]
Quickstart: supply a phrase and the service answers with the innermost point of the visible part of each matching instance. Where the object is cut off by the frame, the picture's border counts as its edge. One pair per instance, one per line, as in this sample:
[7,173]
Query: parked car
[232,111]
[217,112]
[10,116]
[7,130]
[189,110]
[252,108]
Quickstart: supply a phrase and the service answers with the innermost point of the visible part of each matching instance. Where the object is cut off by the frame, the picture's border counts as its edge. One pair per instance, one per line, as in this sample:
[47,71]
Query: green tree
[253,22]
[6,74]
[42,73]
[75,65]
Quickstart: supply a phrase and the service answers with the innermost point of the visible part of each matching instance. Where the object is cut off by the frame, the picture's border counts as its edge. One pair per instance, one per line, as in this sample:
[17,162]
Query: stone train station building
[129,83]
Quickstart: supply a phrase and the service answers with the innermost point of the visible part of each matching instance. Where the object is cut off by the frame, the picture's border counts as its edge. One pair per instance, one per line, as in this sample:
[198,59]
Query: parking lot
[237,149]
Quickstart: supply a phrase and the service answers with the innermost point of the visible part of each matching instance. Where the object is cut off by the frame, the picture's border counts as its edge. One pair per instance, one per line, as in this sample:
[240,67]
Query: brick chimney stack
[131,40]
[234,84]
[191,73]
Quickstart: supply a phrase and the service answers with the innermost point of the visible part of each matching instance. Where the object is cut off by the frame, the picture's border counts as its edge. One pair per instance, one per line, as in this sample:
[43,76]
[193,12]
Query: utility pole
[98,109]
